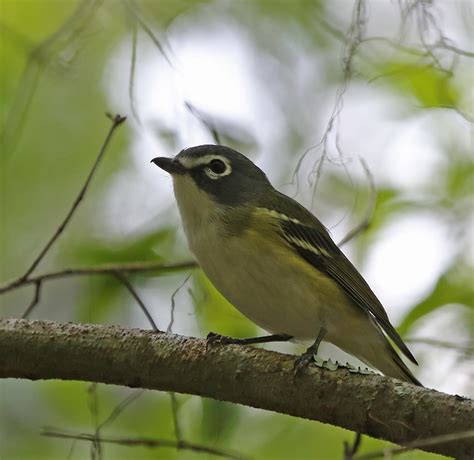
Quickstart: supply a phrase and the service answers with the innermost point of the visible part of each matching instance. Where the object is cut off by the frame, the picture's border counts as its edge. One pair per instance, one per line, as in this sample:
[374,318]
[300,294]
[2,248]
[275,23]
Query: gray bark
[370,404]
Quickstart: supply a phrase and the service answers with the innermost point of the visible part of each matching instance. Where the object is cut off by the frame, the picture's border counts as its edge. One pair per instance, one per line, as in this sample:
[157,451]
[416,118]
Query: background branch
[117,120]
[106,269]
[145,442]
[369,404]
[123,279]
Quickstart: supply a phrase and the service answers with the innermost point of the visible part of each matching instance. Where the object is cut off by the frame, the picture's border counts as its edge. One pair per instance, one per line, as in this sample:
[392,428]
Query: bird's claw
[302,362]
[217,339]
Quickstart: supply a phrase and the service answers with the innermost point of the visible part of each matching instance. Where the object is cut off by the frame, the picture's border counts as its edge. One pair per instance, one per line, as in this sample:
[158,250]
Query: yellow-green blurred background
[388,82]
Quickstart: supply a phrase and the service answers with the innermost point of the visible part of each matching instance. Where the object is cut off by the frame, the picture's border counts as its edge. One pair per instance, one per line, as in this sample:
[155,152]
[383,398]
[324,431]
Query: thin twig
[370,207]
[110,269]
[436,440]
[350,451]
[116,122]
[454,49]
[353,37]
[35,300]
[93,400]
[173,302]
[173,399]
[211,127]
[119,408]
[123,279]
[106,269]
[146,442]
[131,81]
[178,433]
[135,10]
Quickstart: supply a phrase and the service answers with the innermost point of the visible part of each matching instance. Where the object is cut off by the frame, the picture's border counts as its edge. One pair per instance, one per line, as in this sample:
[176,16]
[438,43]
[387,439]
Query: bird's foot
[213,338]
[303,361]
[218,339]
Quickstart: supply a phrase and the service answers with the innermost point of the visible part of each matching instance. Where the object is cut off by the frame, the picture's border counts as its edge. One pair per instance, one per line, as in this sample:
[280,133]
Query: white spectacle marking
[192,162]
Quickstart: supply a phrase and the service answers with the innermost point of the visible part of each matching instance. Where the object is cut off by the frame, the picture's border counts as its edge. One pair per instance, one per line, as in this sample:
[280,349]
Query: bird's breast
[266,280]
[255,269]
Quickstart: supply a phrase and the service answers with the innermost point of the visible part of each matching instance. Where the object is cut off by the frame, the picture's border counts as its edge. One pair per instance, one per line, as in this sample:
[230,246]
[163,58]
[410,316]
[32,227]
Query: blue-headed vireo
[275,262]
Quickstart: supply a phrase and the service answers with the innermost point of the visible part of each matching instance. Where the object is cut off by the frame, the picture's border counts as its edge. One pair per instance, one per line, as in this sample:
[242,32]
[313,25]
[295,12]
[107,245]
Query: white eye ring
[216,175]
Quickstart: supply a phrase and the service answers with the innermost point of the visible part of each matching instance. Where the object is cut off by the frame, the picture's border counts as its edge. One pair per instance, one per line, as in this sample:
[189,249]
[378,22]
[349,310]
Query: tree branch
[145,442]
[105,269]
[369,404]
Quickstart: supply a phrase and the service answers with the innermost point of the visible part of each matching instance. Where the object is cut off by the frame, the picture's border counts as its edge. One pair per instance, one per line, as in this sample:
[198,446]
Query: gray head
[229,177]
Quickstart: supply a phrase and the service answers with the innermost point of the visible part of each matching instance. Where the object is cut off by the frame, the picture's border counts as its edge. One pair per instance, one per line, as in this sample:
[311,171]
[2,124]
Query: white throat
[197,209]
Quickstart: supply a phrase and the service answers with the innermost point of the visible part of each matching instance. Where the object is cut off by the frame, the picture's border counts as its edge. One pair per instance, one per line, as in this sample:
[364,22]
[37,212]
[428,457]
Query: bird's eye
[217,166]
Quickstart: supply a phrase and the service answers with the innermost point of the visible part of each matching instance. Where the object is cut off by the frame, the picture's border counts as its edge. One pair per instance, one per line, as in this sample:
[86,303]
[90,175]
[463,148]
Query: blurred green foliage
[53,95]
[430,86]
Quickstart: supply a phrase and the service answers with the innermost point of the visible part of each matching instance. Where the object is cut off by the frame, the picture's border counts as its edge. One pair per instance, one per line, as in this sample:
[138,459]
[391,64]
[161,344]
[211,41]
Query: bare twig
[352,39]
[370,207]
[351,450]
[135,10]
[453,48]
[106,269]
[123,279]
[146,442]
[96,447]
[173,303]
[209,124]
[119,408]
[131,81]
[35,300]
[178,433]
[116,122]
[25,279]
[173,400]
[93,400]
[419,444]
[418,49]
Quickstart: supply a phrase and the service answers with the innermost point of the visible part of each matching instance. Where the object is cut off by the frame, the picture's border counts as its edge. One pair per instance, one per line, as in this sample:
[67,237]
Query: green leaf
[453,287]
[429,85]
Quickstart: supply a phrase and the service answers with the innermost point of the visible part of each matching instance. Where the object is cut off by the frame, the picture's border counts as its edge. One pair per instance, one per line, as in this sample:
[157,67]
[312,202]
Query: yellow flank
[262,232]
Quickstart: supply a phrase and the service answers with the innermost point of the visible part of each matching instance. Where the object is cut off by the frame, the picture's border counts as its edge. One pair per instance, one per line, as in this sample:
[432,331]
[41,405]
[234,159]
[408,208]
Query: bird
[275,262]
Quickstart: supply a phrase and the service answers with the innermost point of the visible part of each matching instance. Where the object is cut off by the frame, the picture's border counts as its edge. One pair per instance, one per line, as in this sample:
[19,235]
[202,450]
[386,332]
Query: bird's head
[216,173]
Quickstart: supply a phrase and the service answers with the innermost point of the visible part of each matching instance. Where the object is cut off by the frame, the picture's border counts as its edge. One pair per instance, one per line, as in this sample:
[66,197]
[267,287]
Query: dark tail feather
[403,370]
[389,362]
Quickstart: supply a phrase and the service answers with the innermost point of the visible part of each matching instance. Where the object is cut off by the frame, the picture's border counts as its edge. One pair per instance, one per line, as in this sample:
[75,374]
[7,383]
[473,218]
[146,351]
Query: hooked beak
[169,165]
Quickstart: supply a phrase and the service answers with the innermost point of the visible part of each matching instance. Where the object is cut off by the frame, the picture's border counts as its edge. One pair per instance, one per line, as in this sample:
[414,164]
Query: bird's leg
[213,338]
[303,360]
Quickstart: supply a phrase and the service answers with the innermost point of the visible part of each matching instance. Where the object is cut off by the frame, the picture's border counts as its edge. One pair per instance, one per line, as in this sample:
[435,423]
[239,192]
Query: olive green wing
[313,243]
